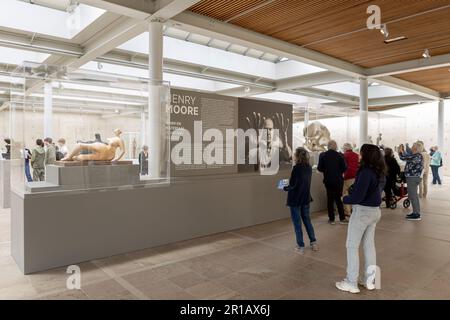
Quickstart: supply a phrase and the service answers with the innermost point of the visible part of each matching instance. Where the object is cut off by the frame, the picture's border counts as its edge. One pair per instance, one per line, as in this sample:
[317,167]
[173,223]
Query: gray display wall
[209,111]
[68,228]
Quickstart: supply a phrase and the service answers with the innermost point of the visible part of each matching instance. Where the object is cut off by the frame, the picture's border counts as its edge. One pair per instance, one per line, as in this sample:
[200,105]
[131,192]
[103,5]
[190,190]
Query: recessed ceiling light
[426,54]
[384,30]
[247,89]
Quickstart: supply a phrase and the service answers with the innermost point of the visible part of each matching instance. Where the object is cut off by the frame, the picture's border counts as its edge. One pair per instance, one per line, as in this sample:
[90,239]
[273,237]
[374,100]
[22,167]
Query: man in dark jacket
[332,165]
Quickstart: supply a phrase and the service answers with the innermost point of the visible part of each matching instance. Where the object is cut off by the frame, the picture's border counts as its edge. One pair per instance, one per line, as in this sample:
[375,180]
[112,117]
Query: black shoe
[332,222]
[414,217]
[412,214]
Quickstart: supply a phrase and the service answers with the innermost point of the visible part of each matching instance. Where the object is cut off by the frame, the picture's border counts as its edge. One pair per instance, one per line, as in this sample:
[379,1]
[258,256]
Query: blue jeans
[27,171]
[299,214]
[436,177]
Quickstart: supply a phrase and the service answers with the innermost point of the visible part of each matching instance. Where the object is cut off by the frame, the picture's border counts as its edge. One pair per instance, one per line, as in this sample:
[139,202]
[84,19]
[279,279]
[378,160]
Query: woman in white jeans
[366,199]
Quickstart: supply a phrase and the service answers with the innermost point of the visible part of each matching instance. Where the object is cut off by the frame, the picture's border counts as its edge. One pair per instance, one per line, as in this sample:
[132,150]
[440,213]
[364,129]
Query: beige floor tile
[143,277]
[119,264]
[107,290]
[211,289]
[66,295]
[187,280]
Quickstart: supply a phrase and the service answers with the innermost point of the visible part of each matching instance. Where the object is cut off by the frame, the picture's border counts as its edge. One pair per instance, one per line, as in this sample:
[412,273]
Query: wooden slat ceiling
[437,79]
[338,27]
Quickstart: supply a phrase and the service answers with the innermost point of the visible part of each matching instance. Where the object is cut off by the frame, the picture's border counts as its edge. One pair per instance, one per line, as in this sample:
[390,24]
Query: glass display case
[82,130]
[315,125]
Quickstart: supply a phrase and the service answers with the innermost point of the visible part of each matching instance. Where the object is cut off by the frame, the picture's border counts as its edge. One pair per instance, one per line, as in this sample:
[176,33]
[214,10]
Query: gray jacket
[50,154]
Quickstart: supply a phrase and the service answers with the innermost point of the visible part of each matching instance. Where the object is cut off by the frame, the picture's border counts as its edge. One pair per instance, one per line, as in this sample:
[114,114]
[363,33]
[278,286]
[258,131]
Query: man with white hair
[352,161]
[332,165]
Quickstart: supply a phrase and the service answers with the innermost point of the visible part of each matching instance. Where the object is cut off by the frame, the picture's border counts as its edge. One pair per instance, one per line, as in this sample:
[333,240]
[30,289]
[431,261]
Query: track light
[426,54]
[384,30]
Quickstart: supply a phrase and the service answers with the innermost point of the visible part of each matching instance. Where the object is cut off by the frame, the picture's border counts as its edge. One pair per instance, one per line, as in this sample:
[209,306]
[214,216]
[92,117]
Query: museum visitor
[352,161]
[392,172]
[332,165]
[413,174]
[365,199]
[38,161]
[436,163]
[423,186]
[299,198]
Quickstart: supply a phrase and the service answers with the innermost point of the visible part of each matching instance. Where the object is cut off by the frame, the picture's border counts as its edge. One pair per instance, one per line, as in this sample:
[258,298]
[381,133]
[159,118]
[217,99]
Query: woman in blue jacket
[299,198]
[365,199]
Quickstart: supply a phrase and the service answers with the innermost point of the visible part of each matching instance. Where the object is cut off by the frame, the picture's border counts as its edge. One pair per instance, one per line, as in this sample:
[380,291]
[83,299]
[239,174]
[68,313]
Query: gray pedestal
[62,228]
[59,178]
[5,193]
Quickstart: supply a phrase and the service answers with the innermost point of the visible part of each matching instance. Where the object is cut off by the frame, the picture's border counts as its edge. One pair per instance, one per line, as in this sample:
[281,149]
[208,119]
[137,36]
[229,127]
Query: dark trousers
[388,191]
[436,177]
[299,215]
[334,195]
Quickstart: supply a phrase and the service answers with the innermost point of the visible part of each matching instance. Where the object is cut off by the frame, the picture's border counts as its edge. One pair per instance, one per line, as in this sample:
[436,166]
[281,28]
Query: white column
[154,126]
[363,111]
[143,128]
[48,109]
[440,130]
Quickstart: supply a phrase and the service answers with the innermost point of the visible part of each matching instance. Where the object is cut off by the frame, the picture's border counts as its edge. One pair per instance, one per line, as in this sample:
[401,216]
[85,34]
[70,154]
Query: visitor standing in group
[352,161]
[366,200]
[435,164]
[423,186]
[413,174]
[37,161]
[332,165]
[299,198]
[143,160]
[50,151]
[393,171]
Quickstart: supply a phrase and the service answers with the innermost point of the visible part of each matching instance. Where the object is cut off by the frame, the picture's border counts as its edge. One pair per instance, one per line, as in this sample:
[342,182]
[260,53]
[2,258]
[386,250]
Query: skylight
[35,18]
[17,56]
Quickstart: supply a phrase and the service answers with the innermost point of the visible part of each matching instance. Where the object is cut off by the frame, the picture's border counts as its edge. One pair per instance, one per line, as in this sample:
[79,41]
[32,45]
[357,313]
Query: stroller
[400,193]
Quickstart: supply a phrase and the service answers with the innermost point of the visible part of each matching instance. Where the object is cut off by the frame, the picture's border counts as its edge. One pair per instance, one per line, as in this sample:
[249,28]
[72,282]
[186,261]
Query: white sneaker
[300,250]
[346,286]
[369,286]
[314,246]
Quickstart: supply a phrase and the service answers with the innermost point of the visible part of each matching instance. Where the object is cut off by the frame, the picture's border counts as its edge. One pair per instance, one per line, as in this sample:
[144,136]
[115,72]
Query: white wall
[421,120]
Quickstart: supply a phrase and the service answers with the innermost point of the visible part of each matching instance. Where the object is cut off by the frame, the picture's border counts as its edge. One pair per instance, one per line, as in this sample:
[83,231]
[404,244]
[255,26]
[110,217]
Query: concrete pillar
[155,121]
[48,109]
[363,111]
[440,126]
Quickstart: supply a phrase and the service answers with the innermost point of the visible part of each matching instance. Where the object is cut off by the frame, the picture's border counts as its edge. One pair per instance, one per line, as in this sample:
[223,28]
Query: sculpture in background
[316,136]
[98,151]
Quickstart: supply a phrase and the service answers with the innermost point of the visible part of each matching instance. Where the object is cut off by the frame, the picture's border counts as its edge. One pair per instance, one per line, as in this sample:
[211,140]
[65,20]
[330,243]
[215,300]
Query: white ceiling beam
[136,10]
[409,66]
[409,99]
[310,80]
[242,91]
[128,28]
[195,23]
[409,87]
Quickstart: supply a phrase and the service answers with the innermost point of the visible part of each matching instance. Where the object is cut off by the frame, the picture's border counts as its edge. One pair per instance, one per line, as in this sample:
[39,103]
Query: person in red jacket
[352,162]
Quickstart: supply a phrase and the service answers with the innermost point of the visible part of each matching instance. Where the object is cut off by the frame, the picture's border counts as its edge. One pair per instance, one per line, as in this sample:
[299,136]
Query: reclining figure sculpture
[98,151]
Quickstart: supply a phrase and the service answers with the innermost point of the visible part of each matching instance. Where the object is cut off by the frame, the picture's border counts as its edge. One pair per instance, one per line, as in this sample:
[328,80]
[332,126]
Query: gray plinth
[5,194]
[61,228]
[59,178]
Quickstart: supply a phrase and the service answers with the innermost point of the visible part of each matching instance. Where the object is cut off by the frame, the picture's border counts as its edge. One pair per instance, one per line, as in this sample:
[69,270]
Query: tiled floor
[257,263]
